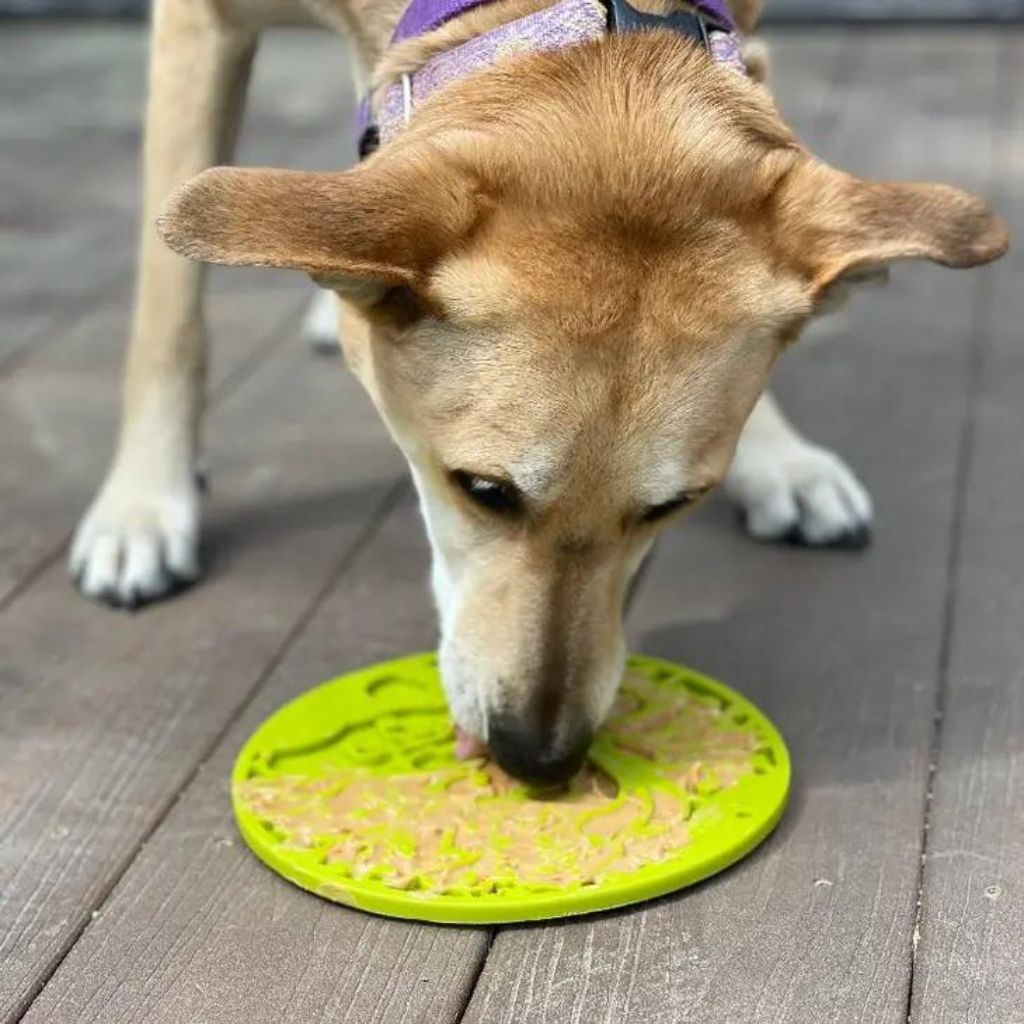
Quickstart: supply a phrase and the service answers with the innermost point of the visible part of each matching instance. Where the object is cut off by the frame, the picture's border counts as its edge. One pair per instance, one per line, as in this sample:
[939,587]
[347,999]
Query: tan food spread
[468,825]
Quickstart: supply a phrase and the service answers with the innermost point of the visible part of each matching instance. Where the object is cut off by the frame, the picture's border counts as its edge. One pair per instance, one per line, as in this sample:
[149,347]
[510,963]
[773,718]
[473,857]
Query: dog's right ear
[838,229]
[363,232]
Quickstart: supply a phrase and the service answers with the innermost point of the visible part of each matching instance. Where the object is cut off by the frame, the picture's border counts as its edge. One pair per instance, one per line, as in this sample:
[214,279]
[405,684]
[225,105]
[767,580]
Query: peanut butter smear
[470,828]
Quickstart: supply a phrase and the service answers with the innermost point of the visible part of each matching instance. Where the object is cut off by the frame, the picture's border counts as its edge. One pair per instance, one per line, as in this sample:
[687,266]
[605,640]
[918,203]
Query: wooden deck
[893,891]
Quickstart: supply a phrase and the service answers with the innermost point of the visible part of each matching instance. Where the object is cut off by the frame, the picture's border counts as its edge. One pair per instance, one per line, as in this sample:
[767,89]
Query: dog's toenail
[858,538]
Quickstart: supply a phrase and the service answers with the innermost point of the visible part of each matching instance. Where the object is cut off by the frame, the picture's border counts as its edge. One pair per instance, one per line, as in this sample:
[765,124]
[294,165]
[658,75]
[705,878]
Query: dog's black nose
[533,755]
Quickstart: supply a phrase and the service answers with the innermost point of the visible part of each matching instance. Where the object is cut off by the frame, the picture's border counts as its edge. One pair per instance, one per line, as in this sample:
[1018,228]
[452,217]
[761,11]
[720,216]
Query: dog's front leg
[139,540]
[791,490]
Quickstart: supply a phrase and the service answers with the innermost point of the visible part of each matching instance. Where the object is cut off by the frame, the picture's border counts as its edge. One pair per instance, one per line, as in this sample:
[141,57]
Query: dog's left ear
[838,228]
[382,226]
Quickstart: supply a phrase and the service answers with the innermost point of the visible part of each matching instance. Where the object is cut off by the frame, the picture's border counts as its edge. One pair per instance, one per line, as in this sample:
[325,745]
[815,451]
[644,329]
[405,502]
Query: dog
[564,278]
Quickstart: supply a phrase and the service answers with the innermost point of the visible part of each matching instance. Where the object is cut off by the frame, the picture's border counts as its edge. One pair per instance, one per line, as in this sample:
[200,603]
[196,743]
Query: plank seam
[964,460]
[981,340]
[492,934]
[375,520]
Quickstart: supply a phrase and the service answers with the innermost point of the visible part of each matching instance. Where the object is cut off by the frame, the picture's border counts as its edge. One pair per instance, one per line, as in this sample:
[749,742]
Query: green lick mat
[353,792]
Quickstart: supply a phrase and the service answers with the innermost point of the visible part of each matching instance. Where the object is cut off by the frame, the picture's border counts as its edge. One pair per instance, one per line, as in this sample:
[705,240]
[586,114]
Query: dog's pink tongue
[467,746]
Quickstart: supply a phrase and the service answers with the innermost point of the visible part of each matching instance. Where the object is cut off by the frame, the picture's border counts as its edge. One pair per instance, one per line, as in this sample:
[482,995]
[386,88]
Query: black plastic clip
[624,17]
[369,141]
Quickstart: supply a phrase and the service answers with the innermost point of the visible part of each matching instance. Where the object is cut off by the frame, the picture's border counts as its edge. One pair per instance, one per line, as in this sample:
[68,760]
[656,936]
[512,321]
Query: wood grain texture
[59,412]
[103,719]
[106,715]
[199,930]
[73,194]
[970,958]
[70,169]
[842,651]
[881,10]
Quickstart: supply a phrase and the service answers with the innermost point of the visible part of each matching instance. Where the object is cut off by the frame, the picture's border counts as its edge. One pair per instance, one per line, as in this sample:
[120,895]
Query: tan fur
[574,271]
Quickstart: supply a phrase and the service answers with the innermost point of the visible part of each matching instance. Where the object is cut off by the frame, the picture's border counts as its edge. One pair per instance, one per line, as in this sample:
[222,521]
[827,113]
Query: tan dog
[571,278]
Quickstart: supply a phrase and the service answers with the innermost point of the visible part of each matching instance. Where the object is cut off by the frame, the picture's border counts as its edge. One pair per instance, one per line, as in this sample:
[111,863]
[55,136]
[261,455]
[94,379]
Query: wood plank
[842,651]
[70,175]
[105,716]
[58,416]
[884,10]
[49,902]
[968,968]
[199,930]
[65,386]
[806,67]
[71,170]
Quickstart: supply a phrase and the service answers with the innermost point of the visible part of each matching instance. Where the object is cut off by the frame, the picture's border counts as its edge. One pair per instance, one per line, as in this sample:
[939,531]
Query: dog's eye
[494,495]
[655,512]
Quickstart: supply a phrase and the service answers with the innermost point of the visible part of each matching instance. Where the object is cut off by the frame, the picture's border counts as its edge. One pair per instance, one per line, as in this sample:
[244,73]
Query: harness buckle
[624,17]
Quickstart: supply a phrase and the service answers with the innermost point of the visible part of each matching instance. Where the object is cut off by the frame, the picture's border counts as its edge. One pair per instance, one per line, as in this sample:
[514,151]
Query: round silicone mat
[390,722]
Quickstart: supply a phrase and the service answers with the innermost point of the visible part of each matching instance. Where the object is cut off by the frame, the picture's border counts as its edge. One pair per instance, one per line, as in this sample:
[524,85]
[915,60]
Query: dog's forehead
[584,279]
[692,277]
[570,417]
[578,355]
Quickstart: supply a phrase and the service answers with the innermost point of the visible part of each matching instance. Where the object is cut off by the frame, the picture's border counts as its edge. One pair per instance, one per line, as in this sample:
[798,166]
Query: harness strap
[564,24]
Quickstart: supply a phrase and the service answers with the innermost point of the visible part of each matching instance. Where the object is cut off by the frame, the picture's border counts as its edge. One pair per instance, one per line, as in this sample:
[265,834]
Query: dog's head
[575,279]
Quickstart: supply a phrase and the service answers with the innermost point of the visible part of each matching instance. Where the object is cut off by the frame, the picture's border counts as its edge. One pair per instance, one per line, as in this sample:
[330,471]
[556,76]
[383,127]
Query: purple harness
[564,24]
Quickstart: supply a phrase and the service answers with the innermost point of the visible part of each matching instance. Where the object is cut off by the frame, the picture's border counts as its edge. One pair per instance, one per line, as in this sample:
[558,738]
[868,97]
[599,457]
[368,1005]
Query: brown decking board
[198,929]
[58,414]
[104,718]
[70,122]
[970,954]
[62,371]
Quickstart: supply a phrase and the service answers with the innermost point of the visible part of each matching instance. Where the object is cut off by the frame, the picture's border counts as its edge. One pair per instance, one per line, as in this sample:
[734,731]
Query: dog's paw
[320,323]
[137,543]
[800,494]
